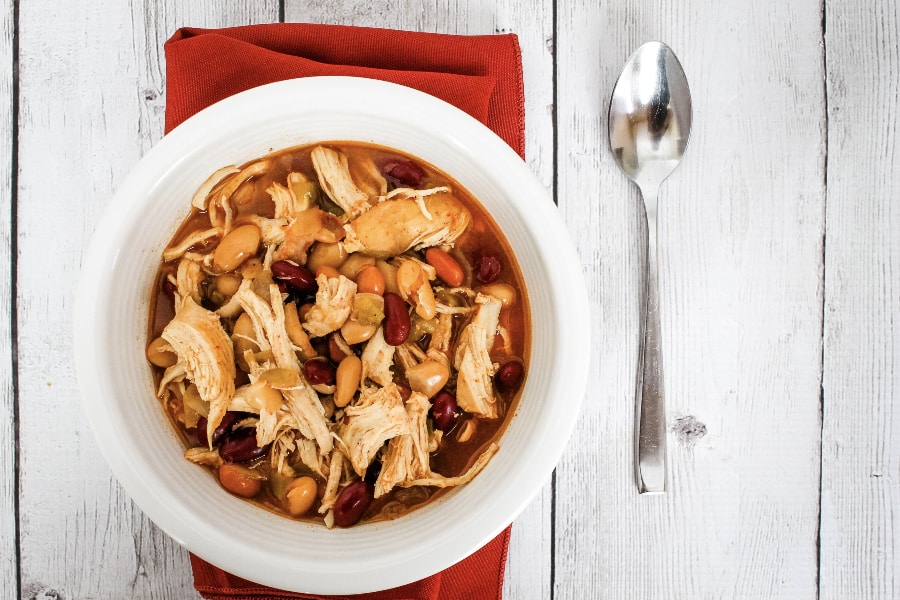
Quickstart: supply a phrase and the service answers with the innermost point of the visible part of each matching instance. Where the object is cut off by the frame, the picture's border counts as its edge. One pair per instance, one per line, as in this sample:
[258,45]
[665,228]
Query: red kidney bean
[169,287]
[445,411]
[352,503]
[404,173]
[299,278]
[509,376]
[396,319]
[405,392]
[240,446]
[487,269]
[373,471]
[319,371]
[224,428]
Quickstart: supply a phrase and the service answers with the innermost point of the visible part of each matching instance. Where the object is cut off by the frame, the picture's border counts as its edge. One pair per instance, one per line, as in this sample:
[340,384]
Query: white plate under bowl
[117,387]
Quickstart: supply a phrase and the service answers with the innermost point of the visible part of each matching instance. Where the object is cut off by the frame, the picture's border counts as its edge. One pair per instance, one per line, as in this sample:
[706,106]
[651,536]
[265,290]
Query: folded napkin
[481,75]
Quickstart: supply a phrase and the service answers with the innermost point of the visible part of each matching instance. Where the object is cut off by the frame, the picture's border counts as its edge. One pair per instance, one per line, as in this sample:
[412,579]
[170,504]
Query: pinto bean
[396,319]
[332,255]
[354,263]
[300,496]
[240,244]
[347,380]
[159,356]
[428,377]
[239,480]
[446,266]
[369,280]
[503,292]
[328,271]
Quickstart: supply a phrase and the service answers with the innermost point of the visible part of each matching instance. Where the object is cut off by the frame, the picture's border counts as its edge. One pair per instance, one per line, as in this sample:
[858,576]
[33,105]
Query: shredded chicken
[377,416]
[394,226]
[406,457]
[188,280]
[334,177]
[334,301]
[204,456]
[271,230]
[302,401]
[198,237]
[335,471]
[205,350]
[377,358]
[441,338]
[301,427]
[201,196]
[436,480]
[308,227]
[368,177]
[308,453]
[474,385]
[405,462]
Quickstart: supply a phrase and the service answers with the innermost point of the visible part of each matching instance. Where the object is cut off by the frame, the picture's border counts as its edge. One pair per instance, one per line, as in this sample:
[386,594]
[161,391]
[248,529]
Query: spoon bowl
[649,125]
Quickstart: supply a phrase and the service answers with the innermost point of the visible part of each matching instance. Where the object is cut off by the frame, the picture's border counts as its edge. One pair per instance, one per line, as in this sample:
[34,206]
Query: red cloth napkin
[481,75]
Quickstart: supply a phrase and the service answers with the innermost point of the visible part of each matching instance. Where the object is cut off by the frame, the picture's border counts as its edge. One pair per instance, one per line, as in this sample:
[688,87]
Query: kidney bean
[300,278]
[352,503]
[240,446]
[319,371]
[404,173]
[487,269]
[169,287]
[509,376]
[445,411]
[224,428]
[396,319]
[373,470]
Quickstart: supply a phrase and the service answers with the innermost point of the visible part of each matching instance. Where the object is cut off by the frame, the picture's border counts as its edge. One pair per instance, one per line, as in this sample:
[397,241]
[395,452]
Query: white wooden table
[780,291]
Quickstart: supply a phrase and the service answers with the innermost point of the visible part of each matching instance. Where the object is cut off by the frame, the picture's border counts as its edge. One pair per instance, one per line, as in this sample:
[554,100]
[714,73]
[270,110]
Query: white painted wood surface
[8,487]
[861,379]
[785,445]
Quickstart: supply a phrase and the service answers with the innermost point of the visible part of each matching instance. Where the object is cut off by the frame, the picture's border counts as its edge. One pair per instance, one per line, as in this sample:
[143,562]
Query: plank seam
[281,11]
[822,306]
[13,296]
[554,126]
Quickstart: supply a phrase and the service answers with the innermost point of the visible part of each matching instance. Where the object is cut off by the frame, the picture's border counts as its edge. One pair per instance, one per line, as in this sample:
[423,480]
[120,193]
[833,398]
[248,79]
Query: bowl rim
[459,130]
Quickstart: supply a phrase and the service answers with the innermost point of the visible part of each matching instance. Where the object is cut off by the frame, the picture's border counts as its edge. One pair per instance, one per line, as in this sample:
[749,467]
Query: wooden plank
[91,104]
[8,518]
[861,379]
[740,238]
[528,567]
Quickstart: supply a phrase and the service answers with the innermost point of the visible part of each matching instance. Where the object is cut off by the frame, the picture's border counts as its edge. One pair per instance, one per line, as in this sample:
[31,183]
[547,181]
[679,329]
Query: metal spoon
[649,126]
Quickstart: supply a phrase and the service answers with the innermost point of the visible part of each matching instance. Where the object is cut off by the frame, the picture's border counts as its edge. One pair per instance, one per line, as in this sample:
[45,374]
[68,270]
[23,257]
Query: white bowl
[117,387]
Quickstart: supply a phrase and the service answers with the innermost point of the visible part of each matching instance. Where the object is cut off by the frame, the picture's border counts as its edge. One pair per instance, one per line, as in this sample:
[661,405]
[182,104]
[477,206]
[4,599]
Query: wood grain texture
[91,105]
[8,536]
[740,238]
[860,556]
[528,567]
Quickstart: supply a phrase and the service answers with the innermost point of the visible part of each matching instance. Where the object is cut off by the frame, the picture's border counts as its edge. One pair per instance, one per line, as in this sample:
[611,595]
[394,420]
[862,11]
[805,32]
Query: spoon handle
[651,418]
